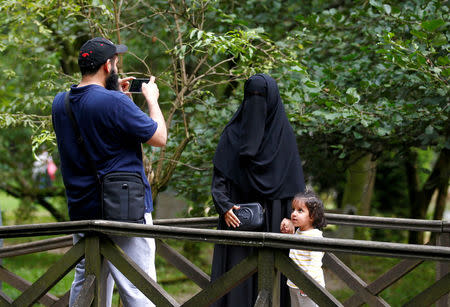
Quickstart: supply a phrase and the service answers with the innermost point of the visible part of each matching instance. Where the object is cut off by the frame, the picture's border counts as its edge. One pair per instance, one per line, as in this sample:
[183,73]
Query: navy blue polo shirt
[113,129]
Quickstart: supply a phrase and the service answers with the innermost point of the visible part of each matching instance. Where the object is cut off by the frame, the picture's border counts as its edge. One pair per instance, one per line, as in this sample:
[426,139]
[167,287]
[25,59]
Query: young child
[308,217]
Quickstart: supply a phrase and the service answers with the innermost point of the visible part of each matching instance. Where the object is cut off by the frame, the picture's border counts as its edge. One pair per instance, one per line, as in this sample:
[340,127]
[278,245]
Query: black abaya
[226,194]
[256,160]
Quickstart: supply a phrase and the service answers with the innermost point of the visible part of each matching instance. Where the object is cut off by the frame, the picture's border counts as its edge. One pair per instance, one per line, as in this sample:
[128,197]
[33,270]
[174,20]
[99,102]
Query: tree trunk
[53,211]
[415,195]
[359,186]
[39,199]
[441,202]
[420,198]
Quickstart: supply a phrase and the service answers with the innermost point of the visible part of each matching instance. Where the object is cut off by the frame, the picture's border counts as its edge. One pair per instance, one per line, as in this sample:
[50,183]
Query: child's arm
[287,226]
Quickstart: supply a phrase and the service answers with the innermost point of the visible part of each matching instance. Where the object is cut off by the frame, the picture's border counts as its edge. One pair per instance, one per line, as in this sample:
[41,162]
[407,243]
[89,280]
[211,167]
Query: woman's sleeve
[220,192]
[253,117]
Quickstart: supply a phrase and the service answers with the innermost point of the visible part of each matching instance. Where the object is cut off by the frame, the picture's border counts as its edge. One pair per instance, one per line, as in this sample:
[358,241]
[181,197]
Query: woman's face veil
[257,149]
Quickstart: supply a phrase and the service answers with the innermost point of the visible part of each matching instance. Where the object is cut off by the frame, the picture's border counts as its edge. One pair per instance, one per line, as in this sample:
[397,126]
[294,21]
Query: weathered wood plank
[183,264]
[5,300]
[87,293]
[135,274]
[93,266]
[334,219]
[384,222]
[36,246]
[316,292]
[224,283]
[352,280]
[266,272]
[263,299]
[337,219]
[197,222]
[442,268]
[273,240]
[52,276]
[21,284]
[387,279]
[34,230]
[63,300]
[432,293]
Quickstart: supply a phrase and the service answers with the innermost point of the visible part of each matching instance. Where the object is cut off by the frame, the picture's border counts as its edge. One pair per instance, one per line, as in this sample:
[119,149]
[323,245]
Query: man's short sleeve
[133,122]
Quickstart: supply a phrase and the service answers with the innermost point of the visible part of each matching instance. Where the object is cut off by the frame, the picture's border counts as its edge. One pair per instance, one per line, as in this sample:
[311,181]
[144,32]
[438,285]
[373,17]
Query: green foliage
[356,77]
[375,95]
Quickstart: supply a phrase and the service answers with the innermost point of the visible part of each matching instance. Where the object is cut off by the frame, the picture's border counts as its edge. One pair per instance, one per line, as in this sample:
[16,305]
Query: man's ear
[107,66]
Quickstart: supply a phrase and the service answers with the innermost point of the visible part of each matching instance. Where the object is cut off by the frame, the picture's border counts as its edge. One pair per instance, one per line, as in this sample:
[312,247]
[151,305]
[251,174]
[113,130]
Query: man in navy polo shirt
[113,129]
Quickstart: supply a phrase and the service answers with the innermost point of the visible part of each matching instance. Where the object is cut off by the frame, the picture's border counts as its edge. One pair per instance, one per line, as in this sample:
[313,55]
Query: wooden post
[93,266]
[442,268]
[266,278]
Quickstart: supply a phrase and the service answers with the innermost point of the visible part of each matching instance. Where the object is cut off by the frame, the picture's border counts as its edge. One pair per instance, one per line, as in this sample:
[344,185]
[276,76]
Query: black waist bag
[251,216]
[123,197]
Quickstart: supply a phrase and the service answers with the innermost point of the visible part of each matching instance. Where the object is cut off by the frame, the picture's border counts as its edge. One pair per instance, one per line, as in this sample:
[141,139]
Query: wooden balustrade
[266,261]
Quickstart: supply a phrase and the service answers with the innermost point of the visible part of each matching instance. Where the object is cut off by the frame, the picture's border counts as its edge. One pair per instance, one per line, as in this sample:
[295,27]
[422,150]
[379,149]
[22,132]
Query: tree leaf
[419,34]
[432,25]
[357,135]
[439,40]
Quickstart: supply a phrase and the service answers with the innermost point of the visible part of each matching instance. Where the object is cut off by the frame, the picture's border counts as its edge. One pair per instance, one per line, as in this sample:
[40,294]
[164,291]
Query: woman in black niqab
[256,160]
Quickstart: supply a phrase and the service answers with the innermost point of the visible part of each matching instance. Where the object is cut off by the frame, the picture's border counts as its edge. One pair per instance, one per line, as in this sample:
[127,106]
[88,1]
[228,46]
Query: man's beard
[112,81]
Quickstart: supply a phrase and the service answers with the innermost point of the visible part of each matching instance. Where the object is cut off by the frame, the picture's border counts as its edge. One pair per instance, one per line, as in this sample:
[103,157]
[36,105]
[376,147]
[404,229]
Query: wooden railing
[268,258]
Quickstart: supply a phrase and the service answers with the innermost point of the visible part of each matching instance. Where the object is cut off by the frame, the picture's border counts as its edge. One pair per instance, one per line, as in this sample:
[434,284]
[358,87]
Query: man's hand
[231,219]
[150,90]
[287,226]
[124,85]
[151,94]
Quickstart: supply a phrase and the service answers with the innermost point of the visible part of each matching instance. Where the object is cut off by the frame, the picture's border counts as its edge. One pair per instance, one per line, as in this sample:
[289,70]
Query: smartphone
[136,85]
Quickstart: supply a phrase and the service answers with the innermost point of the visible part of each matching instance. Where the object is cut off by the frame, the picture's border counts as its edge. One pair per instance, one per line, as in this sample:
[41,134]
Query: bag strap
[79,137]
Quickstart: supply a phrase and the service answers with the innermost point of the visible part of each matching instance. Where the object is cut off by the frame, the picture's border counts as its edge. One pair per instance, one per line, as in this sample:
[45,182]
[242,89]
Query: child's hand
[287,226]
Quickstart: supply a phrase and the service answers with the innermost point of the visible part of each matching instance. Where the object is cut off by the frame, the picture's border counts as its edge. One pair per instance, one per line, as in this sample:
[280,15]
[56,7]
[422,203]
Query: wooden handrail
[264,241]
[257,239]
[333,219]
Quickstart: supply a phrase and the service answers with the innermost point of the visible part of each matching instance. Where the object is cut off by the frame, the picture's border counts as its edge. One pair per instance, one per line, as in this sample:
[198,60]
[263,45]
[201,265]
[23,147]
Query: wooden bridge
[267,260]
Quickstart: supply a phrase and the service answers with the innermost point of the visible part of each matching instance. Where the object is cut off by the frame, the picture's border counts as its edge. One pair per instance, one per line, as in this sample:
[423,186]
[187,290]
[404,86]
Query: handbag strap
[79,137]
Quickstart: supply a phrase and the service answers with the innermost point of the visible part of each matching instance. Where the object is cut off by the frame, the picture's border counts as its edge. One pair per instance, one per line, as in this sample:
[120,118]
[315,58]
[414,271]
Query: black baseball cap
[97,51]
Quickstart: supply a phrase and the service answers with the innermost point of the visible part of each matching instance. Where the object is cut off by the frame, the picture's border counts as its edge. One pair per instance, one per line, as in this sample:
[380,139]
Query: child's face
[300,215]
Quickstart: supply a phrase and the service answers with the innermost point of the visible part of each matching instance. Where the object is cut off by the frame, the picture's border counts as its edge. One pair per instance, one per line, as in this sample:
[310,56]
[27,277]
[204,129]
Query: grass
[7,202]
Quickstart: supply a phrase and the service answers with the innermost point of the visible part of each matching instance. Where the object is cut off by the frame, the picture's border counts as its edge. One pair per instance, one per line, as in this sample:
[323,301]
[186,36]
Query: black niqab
[257,149]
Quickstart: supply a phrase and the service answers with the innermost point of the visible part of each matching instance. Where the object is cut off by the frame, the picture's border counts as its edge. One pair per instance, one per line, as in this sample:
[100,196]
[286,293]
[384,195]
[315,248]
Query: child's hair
[315,207]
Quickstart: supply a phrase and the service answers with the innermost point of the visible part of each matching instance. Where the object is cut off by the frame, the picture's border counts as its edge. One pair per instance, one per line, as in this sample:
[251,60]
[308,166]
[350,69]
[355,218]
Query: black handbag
[122,193]
[251,216]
